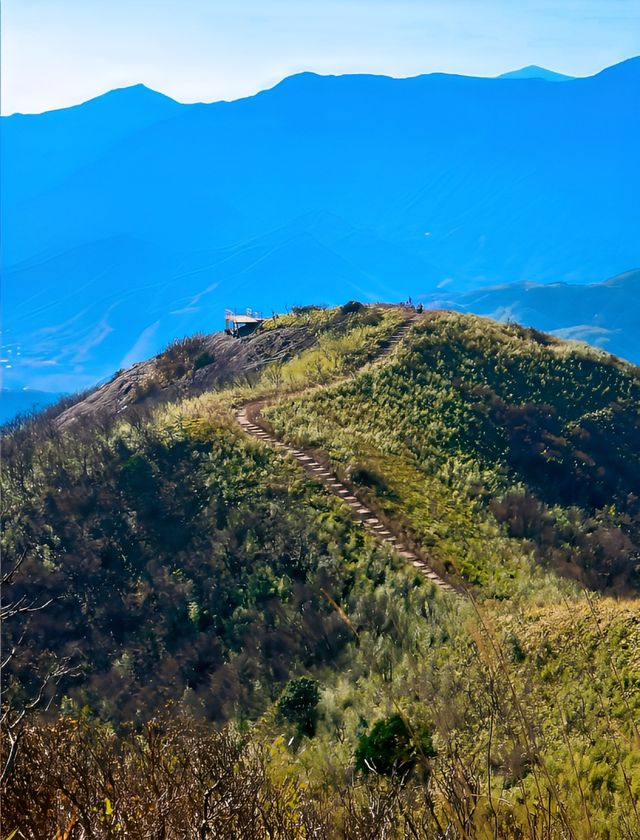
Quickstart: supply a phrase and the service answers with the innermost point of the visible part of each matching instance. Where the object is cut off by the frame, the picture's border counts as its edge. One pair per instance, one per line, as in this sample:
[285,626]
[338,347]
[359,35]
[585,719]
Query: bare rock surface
[228,359]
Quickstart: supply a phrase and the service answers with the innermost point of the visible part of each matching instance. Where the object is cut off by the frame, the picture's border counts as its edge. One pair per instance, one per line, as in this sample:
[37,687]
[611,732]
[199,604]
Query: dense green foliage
[392,748]
[184,564]
[298,704]
[188,575]
[478,426]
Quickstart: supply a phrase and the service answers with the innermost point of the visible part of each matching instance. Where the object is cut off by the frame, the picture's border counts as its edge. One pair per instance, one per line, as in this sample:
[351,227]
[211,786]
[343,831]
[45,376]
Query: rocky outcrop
[213,360]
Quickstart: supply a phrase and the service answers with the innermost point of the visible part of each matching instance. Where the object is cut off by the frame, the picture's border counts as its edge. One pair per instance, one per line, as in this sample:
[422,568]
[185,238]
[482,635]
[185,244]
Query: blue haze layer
[131,219]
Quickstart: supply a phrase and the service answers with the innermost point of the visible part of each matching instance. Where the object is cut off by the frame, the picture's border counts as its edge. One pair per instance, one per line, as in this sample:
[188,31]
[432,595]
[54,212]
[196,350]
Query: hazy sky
[60,52]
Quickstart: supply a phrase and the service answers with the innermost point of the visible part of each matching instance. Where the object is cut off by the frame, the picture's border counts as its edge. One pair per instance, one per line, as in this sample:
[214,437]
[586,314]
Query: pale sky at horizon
[56,54]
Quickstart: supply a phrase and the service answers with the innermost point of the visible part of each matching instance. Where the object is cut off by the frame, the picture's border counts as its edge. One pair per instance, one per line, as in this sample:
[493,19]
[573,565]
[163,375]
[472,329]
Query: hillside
[131,220]
[494,416]
[185,573]
[602,314]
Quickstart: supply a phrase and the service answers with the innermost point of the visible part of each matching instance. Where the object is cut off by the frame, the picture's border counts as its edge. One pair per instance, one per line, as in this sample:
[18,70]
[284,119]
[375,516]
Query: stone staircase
[359,510]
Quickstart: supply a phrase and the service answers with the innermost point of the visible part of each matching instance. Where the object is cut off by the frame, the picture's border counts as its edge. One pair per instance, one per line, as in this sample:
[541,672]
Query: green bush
[391,748]
[367,476]
[202,360]
[513,648]
[298,704]
[137,474]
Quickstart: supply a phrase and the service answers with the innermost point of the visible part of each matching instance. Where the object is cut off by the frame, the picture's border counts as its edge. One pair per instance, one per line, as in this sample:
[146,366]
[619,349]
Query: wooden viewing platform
[241,324]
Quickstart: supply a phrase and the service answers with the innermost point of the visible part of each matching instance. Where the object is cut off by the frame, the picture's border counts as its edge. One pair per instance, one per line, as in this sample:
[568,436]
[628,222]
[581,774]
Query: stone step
[372,523]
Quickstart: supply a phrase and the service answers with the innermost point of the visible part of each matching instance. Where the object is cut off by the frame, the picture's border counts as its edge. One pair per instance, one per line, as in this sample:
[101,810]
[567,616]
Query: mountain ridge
[426,181]
[144,89]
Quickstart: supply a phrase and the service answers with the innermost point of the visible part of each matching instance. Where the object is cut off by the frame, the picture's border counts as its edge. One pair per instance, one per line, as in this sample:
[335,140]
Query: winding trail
[359,509]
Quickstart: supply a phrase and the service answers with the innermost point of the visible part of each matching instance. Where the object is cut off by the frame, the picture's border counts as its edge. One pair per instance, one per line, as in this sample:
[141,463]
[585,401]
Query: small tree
[391,748]
[298,704]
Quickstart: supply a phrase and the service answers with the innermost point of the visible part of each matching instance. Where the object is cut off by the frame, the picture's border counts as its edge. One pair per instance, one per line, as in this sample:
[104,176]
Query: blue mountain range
[132,219]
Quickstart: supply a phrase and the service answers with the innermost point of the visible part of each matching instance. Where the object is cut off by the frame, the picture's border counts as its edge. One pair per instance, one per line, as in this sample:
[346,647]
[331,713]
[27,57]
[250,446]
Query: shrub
[513,649]
[392,749]
[351,306]
[137,474]
[178,357]
[298,704]
[202,360]
[306,310]
[366,476]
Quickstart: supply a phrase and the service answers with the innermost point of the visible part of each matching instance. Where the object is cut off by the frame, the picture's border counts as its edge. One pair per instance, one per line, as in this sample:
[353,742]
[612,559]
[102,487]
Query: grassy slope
[478,434]
[507,455]
[540,686]
[171,545]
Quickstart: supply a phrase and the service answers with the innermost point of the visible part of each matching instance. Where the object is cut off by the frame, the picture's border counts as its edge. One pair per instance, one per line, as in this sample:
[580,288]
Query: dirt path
[359,510]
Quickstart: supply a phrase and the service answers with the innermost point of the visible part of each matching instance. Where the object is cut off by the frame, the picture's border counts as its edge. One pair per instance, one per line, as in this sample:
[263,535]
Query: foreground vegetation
[204,644]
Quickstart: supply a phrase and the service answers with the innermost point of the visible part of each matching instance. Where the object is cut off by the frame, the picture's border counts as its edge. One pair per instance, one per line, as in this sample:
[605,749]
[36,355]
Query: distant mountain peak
[329,185]
[533,71]
[130,96]
[139,92]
